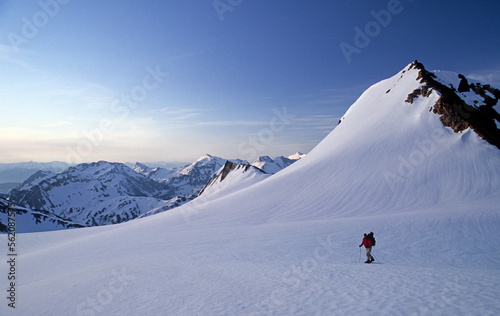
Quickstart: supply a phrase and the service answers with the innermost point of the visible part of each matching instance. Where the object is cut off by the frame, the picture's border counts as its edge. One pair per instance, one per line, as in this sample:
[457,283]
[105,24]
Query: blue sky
[171,80]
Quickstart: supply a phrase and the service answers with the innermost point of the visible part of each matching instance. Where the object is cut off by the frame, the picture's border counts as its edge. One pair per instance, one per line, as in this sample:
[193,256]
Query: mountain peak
[271,166]
[264,159]
[462,104]
[205,156]
[296,156]
[232,177]
[141,168]
[141,165]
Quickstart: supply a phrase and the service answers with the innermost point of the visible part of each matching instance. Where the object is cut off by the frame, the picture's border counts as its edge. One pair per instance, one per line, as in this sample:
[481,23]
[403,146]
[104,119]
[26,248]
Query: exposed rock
[455,112]
[449,116]
[463,86]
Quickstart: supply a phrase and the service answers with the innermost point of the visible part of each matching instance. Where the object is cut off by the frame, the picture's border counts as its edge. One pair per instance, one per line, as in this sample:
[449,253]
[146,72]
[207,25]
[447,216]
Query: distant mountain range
[13,174]
[102,193]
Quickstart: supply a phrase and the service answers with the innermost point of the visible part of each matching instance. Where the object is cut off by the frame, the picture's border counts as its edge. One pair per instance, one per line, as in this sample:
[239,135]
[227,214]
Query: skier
[368,243]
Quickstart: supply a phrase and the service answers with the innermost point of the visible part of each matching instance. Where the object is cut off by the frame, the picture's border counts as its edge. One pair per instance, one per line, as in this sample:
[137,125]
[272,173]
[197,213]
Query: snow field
[296,268]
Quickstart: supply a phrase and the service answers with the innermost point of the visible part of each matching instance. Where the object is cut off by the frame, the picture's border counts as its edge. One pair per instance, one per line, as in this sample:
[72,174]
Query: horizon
[85,82]
[145,162]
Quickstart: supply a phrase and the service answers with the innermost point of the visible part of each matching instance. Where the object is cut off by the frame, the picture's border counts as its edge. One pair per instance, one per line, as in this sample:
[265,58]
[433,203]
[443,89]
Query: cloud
[233,123]
[342,97]
[87,95]
[173,113]
[491,76]
[9,55]
[311,124]
[55,124]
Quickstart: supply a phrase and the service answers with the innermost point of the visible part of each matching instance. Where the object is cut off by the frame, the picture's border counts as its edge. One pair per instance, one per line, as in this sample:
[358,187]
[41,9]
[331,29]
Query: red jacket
[367,242]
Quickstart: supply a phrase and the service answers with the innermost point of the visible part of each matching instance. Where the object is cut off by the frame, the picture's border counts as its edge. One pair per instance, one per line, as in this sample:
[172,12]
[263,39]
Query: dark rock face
[463,86]
[449,116]
[422,91]
[455,112]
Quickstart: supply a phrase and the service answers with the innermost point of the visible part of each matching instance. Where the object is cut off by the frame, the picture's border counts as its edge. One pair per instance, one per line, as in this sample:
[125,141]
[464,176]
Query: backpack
[371,238]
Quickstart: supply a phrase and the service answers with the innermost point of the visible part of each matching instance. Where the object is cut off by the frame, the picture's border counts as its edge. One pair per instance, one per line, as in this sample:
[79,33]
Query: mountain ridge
[241,175]
[454,111]
[29,220]
[101,193]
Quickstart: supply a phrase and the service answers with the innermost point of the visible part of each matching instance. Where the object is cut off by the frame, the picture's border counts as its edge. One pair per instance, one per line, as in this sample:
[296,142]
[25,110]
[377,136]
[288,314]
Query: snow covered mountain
[188,181]
[28,221]
[157,173]
[399,164]
[142,168]
[235,176]
[271,166]
[108,193]
[92,194]
[230,178]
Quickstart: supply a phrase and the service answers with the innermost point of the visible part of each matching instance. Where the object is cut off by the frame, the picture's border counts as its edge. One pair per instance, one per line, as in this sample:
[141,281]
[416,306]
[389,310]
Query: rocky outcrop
[454,111]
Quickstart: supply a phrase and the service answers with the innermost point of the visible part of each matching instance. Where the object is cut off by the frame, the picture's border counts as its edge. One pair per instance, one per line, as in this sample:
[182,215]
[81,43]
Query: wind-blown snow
[288,245]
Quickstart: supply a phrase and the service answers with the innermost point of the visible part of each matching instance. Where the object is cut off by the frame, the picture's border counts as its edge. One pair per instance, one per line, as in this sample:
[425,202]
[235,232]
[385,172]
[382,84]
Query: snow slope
[189,180]
[231,178]
[270,165]
[288,245]
[28,220]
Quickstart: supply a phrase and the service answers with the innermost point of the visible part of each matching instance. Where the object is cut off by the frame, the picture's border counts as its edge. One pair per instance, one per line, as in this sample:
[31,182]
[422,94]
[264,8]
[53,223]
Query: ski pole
[359,259]
[375,257]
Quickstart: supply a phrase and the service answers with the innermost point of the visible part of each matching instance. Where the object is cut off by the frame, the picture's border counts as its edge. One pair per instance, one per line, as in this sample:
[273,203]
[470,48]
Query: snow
[99,190]
[296,156]
[471,98]
[208,161]
[271,166]
[103,193]
[489,94]
[288,245]
[161,175]
[241,177]
[33,220]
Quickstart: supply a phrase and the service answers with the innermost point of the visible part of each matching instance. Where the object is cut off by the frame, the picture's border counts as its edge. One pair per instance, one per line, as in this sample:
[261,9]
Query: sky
[146,81]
